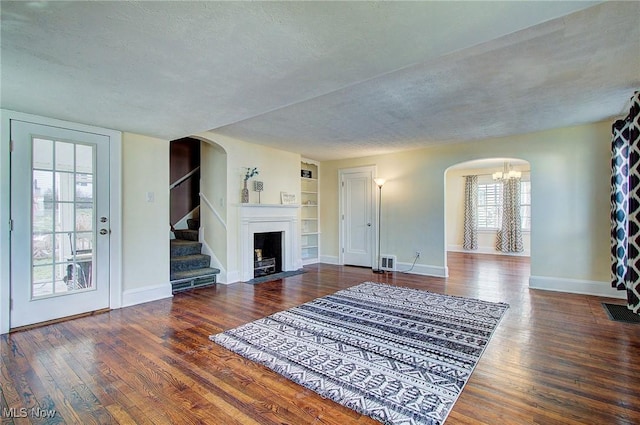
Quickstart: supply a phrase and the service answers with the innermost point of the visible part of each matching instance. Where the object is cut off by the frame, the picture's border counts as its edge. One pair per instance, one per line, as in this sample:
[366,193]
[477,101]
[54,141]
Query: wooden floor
[554,359]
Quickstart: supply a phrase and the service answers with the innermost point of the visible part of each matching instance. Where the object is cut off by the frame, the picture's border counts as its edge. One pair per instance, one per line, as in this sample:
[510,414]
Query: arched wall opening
[489,204]
[214,233]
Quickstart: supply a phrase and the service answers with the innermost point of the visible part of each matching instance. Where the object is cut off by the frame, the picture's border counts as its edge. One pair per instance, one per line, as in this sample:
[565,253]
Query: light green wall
[570,186]
[213,186]
[145,227]
[146,224]
[279,170]
[454,197]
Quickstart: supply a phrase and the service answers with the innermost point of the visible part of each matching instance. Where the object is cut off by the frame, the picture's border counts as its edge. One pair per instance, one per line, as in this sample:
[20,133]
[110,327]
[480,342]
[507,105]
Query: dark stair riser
[185,234]
[190,262]
[198,283]
[181,248]
[198,274]
[189,267]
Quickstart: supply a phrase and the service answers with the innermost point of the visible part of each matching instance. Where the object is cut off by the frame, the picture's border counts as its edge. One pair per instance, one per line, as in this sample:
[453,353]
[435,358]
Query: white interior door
[60,216]
[357,197]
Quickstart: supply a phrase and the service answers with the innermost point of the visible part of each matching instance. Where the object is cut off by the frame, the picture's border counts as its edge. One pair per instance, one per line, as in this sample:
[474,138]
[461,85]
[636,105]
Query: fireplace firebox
[267,253]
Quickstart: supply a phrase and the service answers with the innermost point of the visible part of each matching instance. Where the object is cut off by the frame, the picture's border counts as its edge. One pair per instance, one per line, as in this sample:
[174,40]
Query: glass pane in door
[62,217]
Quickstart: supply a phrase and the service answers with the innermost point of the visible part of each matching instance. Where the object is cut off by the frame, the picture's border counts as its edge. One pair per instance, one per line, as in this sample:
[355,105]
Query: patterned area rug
[398,355]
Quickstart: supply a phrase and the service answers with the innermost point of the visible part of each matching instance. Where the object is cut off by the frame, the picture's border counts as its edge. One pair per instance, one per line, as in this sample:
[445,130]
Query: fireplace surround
[264,218]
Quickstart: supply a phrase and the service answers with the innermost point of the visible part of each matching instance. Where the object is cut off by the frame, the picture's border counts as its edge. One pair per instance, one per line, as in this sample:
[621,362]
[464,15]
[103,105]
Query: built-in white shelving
[310,211]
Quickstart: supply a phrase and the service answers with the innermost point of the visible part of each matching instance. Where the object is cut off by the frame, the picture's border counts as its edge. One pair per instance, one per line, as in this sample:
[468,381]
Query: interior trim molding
[115,205]
[233,276]
[487,250]
[423,269]
[420,269]
[260,218]
[372,171]
[215,262]
[329,259]
[575,286]
[146,294]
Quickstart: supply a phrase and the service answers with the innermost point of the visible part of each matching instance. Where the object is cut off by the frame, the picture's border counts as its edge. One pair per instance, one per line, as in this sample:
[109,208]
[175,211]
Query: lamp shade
[380,182]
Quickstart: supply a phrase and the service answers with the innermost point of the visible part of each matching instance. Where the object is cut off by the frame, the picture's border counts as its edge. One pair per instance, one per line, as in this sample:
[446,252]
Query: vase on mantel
[245,193]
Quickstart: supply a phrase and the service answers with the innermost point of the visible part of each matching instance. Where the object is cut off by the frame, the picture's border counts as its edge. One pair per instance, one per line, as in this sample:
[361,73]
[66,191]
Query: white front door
[60,216]
[357,224]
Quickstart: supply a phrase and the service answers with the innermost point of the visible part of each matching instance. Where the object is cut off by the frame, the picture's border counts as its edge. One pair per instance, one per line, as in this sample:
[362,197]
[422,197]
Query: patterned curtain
[470,212]
[625,205]
[509,237]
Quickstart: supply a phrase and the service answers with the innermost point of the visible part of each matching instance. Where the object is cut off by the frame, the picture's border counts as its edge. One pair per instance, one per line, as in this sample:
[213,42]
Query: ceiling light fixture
[507,173]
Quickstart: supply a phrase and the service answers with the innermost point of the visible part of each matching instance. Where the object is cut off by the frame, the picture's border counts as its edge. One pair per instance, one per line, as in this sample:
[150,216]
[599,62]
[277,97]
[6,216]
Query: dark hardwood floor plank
[161,377]
[254,380]
[555,358]
[32,383]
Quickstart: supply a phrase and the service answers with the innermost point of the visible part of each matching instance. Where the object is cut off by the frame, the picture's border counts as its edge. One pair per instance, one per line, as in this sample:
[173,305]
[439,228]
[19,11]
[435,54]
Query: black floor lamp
[380,183]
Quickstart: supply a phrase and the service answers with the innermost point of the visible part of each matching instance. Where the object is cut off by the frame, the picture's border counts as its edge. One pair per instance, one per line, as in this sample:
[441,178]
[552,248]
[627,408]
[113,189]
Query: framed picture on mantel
[288,198]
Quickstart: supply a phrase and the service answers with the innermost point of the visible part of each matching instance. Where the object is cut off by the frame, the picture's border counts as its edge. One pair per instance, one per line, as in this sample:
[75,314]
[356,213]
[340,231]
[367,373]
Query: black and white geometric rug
[398,355]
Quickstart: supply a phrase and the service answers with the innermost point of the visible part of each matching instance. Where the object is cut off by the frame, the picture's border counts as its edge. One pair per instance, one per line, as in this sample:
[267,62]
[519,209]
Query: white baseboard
[329,259]
[146,294]
[575,286]
[487,250]
[420,269]
[423,269]
[232,277]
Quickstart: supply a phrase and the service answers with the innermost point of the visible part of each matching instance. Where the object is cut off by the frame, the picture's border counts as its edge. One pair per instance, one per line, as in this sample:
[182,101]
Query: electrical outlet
[418,253]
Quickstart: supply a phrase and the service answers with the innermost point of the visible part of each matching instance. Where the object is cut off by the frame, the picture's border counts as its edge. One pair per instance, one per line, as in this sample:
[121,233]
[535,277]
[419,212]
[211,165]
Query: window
[490,205]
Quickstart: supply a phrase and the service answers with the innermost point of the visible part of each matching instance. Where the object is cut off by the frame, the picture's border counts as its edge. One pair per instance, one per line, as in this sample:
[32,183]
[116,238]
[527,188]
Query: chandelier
[507,173]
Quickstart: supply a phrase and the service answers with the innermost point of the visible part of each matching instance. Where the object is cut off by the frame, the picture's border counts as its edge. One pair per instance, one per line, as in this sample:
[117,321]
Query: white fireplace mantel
[262,218]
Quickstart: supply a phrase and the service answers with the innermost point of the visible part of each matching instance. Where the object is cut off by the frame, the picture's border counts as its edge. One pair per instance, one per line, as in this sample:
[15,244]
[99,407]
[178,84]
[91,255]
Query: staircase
[189,267]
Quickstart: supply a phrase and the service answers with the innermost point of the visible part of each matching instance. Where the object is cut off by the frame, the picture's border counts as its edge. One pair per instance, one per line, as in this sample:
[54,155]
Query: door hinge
[10,145]
[11,225]
[342,184]
[10,303]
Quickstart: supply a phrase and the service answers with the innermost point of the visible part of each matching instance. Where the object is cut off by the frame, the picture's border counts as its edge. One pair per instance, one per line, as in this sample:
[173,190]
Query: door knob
[103,231]
[369,224]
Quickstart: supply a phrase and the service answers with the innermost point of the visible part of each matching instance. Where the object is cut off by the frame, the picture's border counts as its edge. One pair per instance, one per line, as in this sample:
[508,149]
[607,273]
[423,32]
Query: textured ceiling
[325,79]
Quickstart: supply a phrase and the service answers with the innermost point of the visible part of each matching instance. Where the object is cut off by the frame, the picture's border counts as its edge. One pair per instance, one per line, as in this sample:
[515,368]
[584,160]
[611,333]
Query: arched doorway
[211,211]
[489,199]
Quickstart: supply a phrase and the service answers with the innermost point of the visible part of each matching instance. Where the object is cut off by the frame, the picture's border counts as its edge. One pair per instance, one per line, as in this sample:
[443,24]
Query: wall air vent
[388,262]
